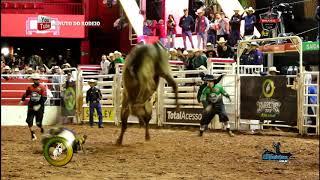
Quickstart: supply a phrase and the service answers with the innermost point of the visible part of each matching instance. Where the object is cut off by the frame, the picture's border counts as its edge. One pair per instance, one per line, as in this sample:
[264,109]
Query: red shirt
[38,90]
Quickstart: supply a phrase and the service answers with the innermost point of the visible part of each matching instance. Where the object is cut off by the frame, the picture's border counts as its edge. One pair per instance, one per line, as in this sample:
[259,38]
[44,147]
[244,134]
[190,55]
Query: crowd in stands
[217,36]
[23,67]
[208,26]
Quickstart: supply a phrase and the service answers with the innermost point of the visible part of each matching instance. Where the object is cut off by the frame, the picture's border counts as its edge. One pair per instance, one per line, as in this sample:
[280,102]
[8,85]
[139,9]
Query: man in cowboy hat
[211,97]
[93,99]
[249,22]
[235,22]
[199,60]
[202,27]
[273,71]
[210,52]
[224,50]
[7,70]
[255,56]
[38,97]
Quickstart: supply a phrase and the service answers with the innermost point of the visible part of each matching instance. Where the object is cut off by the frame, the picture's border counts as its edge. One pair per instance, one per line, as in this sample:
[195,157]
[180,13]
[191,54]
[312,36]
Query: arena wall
[16,115]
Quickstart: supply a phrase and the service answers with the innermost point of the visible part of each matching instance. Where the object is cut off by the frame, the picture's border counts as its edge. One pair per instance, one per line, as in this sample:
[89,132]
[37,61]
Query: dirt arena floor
[176,153]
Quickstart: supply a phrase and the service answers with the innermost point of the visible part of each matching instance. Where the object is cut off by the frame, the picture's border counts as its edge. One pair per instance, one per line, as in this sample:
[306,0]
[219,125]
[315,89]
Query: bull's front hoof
[119,142]
[147,138]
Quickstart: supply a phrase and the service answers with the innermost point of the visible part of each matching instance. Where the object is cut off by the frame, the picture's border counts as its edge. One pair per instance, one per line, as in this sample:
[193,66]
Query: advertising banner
[33,25]
[69,100]
[268,98]
[107,114]
[184,115]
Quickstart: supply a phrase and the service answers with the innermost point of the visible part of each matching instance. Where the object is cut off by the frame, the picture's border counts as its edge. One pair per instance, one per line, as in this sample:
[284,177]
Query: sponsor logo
[268,107]
[276,155]
[185,115]
[43,23]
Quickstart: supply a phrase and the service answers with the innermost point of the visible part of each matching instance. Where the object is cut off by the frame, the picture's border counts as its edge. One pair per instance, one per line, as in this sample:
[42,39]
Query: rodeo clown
[205,84]
[38,97]
[93,99]
[211,98]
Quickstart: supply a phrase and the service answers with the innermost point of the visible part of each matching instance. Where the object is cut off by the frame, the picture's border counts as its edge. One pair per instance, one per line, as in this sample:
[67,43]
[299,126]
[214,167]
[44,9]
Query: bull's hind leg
[147,117]
[124,121]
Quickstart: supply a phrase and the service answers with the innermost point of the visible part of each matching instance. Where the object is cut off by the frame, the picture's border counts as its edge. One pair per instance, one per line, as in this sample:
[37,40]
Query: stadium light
[5,51]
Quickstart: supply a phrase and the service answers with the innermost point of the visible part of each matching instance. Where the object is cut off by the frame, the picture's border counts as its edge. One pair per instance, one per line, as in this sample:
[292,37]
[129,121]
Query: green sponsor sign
[310,46]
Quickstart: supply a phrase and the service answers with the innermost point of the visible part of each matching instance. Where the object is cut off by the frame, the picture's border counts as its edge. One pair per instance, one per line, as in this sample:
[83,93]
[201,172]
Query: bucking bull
[141,73]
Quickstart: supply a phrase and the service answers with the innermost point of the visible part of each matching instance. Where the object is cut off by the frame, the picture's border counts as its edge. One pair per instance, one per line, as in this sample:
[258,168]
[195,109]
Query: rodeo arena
[160,89]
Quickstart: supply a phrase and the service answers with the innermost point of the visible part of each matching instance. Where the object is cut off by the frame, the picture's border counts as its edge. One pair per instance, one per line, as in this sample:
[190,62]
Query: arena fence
[190,109]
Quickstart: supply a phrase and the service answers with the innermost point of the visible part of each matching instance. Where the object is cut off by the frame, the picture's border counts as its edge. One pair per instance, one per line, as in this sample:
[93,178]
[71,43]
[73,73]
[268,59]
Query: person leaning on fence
[199,59]
[93,99]
[224,50]
[254,55]
[211,97]
[38,97]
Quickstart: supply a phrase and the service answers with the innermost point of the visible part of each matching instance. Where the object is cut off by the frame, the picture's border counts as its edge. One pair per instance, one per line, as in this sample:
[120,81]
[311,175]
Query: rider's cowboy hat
[208,77]
[92,81]
[35,76]
[221,40]
[273,69]
[250,9]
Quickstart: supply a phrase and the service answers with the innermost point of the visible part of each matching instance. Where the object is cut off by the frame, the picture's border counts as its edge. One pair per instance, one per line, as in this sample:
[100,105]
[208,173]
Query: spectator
[185,56]
[255,56]
[7,71]
[153,27]
[249,22]
[17,73]
[42,73]
[235,27]
[173,54]
[146,29]
[272,71]
[104,64]
[171,31]
[190,60]
[222,26]
[118,57]
[199,61]
[201,28]
[212,33]
[29,72]
[210,52]
[162,32]
[224,50]
[186,22]
[13,62]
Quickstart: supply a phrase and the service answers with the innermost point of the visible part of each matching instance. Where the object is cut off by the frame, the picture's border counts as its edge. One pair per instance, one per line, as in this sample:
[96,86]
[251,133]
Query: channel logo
[43,23]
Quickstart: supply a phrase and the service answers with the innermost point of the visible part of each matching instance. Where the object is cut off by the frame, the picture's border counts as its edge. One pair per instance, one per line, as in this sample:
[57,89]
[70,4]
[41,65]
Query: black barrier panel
[184,115]
[268,98]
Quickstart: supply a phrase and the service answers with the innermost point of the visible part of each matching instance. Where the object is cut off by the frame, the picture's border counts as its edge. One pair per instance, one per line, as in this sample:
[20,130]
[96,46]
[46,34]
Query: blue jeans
[202,36]
[211,39]
[96,106]
[184,37]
